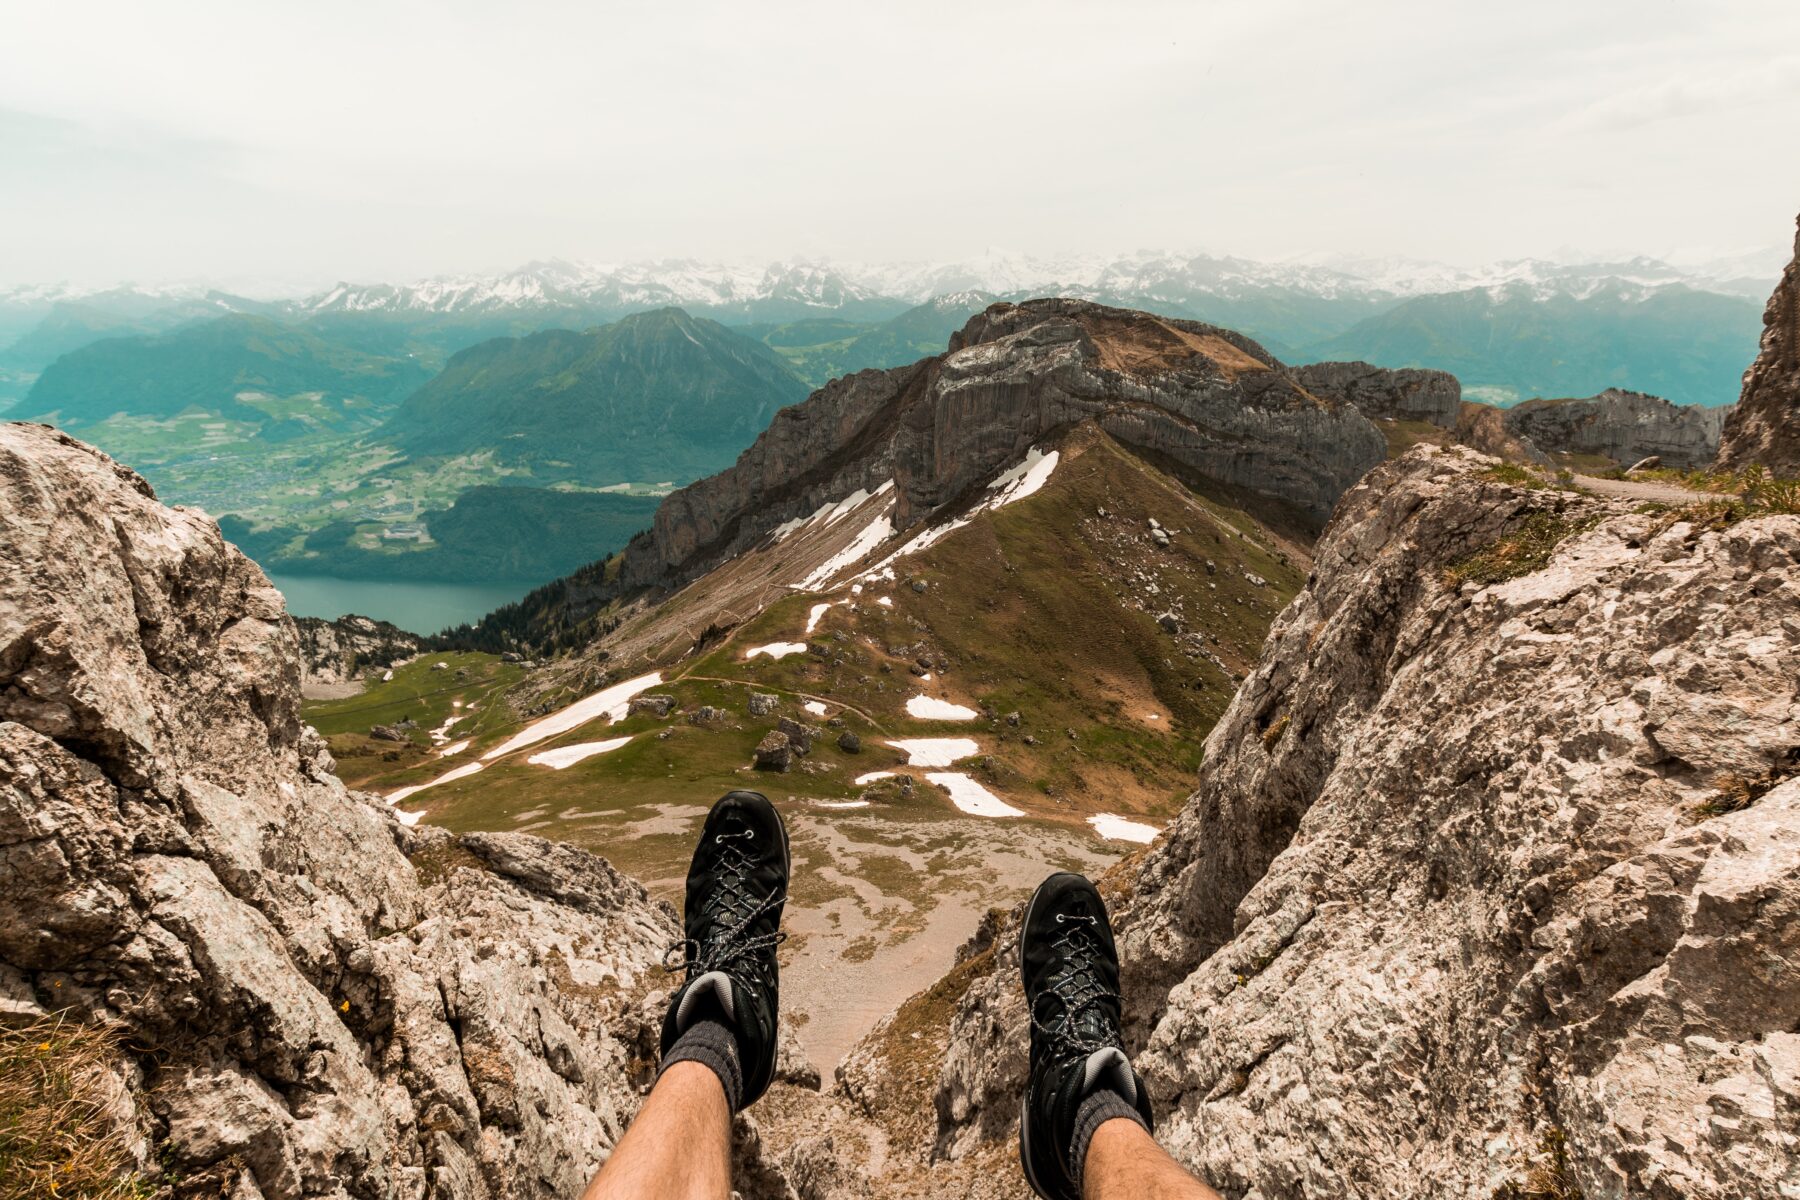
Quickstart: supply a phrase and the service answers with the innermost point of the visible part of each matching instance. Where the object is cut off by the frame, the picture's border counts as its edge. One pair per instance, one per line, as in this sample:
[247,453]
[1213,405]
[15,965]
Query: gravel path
[1633,489]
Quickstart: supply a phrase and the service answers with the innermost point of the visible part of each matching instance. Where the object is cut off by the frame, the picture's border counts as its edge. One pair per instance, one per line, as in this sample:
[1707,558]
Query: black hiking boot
[1071,969]
[736,887]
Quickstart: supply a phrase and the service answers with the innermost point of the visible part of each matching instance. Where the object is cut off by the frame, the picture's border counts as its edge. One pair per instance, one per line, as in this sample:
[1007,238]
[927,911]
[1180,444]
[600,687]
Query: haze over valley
[508,429]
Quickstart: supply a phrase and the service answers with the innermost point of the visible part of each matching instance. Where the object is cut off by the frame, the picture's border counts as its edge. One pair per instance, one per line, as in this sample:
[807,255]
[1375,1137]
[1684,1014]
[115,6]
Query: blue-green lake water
[415,607]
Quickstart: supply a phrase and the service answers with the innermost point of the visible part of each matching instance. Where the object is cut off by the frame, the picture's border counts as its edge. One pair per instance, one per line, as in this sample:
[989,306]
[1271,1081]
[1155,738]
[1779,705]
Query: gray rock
[388,733]
[1169,622]
[1645,464]
[1521,871]
[1764,425]
[320,1015]
[849,743]
[763,703]
[799,734]
[351,647]
[656,704]
[775,752]
[1623,426]
[1406,395]
[707,714]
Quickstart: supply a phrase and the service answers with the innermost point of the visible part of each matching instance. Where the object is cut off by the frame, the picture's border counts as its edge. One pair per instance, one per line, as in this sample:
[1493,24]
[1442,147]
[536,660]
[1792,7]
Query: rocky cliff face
[1623,426]
[313,1000]
[350,647]
[1485,886]
[1409,395]
[1764,426]
[1208,400]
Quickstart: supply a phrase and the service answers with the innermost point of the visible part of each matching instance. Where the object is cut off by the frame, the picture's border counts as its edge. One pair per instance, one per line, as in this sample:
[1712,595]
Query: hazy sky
[271,143]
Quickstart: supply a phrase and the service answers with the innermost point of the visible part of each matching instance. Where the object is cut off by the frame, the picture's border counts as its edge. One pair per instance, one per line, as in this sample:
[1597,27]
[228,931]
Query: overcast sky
[262,143]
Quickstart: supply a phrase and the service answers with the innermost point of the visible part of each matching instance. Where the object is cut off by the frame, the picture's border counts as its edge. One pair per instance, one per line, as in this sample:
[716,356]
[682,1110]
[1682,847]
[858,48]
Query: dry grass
[1549,1177]
[1735,792]
[56,1138]
[1526,549]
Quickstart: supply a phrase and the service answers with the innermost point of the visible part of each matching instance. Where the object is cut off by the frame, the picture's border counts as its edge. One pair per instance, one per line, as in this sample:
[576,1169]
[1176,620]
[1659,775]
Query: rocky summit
[1206,399]
[1764,426]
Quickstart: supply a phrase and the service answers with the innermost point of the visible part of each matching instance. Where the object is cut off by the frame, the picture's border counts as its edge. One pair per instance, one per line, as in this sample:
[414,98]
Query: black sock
[713,1046]
[1100,1105]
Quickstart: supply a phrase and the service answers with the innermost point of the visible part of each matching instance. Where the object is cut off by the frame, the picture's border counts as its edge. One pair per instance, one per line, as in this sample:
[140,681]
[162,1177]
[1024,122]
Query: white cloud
[398,139]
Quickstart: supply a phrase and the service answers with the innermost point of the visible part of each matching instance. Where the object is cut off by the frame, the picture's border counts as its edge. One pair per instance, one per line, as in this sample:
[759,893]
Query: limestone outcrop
[1376,392]
[1764,426]
[312,1000]
[1205,399]
[1487,888]
[1623,426]
[350,647]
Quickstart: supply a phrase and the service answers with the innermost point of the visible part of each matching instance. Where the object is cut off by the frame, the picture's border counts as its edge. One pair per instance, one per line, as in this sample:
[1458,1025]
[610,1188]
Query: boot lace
[1084,1026]
[734,908]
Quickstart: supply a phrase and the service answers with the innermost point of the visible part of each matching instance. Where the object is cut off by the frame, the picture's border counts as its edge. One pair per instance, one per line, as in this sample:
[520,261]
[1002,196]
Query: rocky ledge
[310,999]
[1623,426]
[1764,426]
[1491,883]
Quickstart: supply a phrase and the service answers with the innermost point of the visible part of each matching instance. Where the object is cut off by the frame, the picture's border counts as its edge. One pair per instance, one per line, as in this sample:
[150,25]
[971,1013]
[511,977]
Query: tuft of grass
[56,1137]
[1526,549]
[1734,792]
[1548,1178]
[1273,733]
[1514,474]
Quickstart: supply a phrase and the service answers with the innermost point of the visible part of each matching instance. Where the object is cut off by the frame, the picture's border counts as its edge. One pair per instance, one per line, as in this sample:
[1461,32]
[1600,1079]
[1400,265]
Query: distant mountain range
[1304,309]
[241,367]
[653,396]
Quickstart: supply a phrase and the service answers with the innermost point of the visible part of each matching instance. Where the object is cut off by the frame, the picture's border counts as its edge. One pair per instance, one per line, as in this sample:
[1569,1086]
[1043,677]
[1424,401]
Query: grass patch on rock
[58,1136]
[1526,549]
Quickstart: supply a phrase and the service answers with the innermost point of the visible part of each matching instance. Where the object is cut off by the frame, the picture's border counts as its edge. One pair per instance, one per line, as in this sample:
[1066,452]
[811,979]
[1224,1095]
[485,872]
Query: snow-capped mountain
[800,286]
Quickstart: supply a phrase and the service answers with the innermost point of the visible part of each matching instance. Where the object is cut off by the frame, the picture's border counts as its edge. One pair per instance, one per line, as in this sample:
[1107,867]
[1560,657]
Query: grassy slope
[1043,608]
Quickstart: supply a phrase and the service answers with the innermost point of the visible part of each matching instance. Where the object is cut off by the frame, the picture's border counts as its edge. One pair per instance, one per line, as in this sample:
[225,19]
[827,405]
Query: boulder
[799,734]
[763,703]
[849,743]
[656,704]
[775,752]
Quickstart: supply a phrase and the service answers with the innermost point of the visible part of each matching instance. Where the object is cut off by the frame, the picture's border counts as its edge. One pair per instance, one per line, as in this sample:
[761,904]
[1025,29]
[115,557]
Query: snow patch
[455,748]
[776,650]
[818,611]
[936,752]
[462,772]
[1118,829]
[884,601]
[872,535]
[971,797]
[840,804]
[568,756]
[930,708]
[610,703]
[815,707]
[409,819]
[872,776]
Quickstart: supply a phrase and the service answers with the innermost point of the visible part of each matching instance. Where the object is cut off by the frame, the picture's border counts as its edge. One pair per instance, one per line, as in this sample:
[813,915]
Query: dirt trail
[1636,489]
